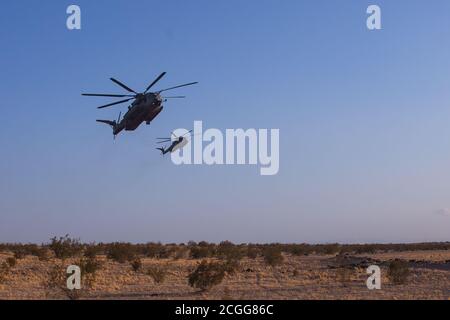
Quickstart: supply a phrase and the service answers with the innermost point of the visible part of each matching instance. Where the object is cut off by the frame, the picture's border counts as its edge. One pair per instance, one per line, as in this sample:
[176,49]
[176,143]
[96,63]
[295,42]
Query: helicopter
[177,143]
[145,107]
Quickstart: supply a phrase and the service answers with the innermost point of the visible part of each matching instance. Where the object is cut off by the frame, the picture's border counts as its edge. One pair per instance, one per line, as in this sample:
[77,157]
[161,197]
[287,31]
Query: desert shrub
[56,284]
[167,252]
[294,249]
[19,253]
[121,252]
[207,275]
[272,256]
[22,250]
[297,250]
[343,275]
[332,248]
[4,271]
[158,273]
[55,278]
[43,254]
[91,251]
[11,261]
[398,271]
[19,250]
[228,251]
[202,250]
[65,247]
[89,265]
[155,250]
[136,265]
[227,294]
[230,266]
[252,252]
[181,253]
[174,251]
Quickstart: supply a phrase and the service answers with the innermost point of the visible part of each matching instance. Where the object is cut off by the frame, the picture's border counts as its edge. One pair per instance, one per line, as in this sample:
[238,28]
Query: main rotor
[133,94]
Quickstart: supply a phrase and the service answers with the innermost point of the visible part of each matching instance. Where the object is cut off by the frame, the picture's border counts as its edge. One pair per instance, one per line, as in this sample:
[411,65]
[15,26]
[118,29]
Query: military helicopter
[145,107]
[177,143]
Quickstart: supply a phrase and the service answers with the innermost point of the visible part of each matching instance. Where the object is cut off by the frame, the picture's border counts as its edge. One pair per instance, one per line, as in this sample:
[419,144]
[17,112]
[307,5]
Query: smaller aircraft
[177,143]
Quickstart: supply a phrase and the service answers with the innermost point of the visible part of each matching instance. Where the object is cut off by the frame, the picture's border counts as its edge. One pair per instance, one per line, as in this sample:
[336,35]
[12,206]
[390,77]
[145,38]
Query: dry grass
[297,277]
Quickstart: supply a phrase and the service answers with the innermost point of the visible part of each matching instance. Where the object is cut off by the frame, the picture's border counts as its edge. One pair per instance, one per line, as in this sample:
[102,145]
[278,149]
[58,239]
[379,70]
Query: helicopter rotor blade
[176,97]
[183,85]
[155,81]
[106,95]
[164,141]
[114,103]
[122,85]
[187,133]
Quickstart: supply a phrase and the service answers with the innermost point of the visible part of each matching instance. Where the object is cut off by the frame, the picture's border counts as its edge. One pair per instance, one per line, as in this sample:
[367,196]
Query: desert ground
[312,276]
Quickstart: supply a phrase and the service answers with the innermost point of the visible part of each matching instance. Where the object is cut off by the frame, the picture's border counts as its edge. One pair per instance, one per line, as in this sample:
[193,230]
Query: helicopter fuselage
[144,109]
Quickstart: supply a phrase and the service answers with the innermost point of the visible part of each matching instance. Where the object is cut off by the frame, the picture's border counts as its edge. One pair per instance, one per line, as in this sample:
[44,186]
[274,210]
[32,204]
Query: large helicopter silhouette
[145,107]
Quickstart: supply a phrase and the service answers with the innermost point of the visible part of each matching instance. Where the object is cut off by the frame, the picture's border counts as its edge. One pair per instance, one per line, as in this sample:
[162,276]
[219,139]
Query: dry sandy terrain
[299,277]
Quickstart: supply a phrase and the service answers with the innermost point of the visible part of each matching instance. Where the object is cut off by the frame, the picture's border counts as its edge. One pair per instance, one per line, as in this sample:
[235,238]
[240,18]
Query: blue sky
[363,118]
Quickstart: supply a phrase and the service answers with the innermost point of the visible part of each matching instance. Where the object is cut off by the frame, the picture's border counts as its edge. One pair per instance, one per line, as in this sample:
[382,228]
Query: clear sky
[363,118]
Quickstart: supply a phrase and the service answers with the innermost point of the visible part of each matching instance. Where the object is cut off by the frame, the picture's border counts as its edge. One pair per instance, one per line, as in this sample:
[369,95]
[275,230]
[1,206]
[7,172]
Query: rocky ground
[298,277]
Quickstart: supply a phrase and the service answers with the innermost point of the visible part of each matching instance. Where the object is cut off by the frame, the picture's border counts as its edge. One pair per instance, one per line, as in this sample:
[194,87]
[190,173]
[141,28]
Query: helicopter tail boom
[115,125]
[109,122]
[163,151]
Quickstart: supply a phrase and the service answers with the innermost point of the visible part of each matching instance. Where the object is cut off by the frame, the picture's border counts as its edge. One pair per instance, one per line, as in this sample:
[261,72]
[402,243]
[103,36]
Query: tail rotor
[115,124]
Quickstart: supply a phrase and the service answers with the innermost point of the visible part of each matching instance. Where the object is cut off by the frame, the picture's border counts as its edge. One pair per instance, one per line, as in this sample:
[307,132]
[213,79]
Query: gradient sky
[363,117]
